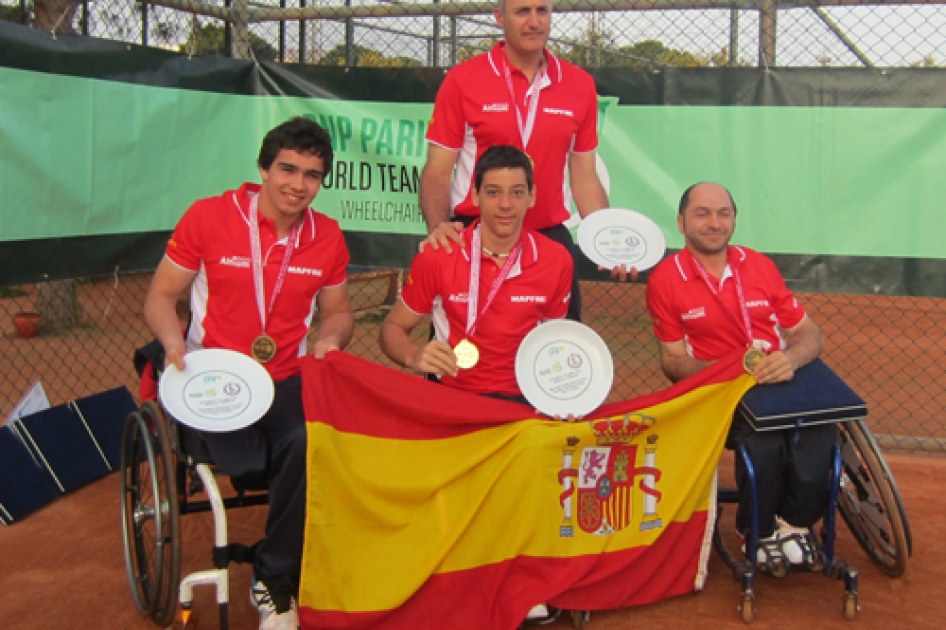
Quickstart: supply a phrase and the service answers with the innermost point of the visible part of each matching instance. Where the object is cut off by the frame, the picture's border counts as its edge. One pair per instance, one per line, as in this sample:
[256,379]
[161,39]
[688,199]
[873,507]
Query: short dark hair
[685,199]
[502,156]
[300,134]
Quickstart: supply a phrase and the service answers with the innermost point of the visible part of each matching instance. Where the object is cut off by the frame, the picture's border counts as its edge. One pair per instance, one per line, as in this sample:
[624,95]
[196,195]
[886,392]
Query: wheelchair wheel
[150,514]
[870,502]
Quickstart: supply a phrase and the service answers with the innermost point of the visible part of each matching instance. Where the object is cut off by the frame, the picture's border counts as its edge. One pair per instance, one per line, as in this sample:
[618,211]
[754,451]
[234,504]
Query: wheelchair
[862,489]
[164,465]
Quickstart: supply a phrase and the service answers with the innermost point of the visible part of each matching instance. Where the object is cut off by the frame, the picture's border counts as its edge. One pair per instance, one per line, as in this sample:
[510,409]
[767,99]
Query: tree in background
[365,57]
[210,39]
[597,48]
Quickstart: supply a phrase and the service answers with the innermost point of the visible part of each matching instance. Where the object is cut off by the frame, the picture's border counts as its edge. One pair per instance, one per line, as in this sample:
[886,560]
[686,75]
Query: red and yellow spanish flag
[433,508]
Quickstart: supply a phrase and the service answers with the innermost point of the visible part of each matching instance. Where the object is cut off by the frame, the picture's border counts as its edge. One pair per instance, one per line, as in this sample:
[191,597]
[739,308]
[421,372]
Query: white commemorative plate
[563,368]
[615,236]
[219,390]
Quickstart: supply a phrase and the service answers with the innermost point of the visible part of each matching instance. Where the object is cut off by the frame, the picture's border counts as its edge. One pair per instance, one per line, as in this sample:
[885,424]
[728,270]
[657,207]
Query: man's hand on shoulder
[774,368]
[442,235]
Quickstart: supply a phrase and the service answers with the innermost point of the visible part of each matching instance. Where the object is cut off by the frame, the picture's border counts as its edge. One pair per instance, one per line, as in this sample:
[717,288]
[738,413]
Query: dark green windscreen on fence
[103,147]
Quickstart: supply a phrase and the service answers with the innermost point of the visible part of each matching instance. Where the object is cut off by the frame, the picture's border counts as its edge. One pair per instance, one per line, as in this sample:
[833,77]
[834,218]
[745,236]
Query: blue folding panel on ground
[815,395]
[25,486]
[104,413]
[61,441]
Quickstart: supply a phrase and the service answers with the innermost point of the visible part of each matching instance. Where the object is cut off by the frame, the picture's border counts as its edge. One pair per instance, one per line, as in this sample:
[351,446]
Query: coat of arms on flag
[605,477]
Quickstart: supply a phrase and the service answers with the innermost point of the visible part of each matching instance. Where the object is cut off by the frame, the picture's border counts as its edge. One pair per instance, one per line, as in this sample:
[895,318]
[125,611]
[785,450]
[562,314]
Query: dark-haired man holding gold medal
[485,296]
[260,263]
[712,298]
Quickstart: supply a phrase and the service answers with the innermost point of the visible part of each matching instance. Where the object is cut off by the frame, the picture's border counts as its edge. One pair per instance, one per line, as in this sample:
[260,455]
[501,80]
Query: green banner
[85,157]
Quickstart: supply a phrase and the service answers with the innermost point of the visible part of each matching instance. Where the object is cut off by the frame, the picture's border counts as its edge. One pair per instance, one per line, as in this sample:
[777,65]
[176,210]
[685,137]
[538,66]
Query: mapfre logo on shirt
[496,107]
[757,304]
[528,299]
[459,297]
[305,271]
[235,261]
[555,111]
[694,313]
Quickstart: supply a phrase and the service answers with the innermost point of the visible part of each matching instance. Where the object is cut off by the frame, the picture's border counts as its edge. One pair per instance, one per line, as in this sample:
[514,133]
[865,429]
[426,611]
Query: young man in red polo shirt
[518,94]
[712,298]
[259,261]
[486,295]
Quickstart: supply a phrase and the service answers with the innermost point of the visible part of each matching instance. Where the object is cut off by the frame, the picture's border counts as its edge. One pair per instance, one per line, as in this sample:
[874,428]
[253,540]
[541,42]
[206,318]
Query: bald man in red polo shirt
[259,262]
[712,298]
[517,94]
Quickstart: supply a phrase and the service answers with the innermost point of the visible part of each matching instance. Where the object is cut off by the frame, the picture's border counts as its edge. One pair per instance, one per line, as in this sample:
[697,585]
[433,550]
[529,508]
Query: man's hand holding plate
[621,273]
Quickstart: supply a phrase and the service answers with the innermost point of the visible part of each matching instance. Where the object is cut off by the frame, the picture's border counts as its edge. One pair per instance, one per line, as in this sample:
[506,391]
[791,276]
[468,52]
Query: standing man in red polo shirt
[259,262]
[519,94]
[712,298]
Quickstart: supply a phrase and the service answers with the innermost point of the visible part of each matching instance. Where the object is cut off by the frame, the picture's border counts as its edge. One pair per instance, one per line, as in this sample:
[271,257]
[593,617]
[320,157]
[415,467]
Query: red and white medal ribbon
[257,260]
[525,127]
[740,295]
[476,255]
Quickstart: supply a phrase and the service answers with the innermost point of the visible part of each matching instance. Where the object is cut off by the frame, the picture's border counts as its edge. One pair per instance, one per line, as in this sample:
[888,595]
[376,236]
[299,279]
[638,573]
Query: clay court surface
[63,567]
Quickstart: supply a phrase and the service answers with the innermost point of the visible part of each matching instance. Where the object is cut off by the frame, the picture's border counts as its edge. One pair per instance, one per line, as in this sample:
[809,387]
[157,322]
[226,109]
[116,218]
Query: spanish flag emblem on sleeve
[431,508]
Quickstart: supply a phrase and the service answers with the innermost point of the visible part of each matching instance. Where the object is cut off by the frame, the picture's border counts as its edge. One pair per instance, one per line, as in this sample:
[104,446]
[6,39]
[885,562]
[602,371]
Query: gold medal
[467,354]
[263,348]
[751,359]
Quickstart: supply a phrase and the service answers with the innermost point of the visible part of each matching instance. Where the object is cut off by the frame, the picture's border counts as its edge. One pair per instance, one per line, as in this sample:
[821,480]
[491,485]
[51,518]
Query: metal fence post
[302,30]
[241,31]
[282,35]
[144,24]
[435,43]
[733,37]
[349,39]
[767,24]
[227,32]
[453,41]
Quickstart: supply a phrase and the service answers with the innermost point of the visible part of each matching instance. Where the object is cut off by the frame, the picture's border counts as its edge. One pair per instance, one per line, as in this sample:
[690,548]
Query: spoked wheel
[150,515]
[870,502]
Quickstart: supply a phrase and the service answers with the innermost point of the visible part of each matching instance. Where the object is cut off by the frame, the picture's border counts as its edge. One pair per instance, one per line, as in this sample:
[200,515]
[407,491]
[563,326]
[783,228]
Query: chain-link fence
[648,33]
[890,349]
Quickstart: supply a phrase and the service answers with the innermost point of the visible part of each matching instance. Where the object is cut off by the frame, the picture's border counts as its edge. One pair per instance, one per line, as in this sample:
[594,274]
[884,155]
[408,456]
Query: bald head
[701,188]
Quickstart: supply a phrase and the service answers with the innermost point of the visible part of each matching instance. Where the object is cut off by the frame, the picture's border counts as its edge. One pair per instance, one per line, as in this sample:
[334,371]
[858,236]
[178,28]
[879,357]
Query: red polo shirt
[683,307]
[473,112]
[439,284]
[212,239]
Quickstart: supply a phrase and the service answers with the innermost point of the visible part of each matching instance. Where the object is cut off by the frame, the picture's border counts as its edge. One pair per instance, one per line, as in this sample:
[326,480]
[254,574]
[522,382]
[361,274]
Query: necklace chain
[494,254]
